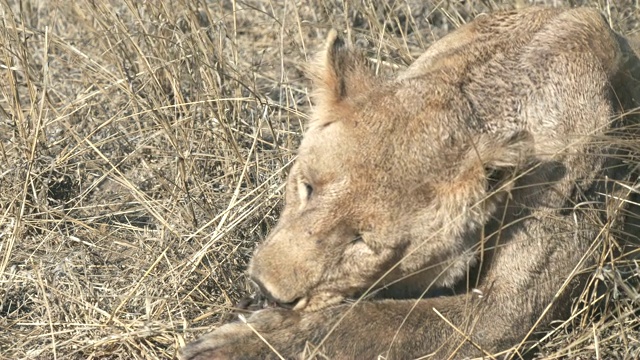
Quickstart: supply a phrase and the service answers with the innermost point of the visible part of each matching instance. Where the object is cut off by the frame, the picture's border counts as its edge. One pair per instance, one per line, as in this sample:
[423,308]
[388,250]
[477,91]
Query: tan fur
[483,165]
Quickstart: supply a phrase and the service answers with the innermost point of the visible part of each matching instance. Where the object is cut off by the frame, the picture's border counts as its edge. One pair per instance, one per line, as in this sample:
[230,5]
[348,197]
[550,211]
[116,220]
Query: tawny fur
[485,165]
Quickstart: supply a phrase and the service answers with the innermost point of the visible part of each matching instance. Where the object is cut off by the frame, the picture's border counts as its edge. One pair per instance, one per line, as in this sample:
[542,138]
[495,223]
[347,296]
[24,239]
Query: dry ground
[143,148]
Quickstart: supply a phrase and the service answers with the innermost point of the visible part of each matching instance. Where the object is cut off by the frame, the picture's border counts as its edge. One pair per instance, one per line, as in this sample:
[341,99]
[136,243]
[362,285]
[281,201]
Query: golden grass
[143,148]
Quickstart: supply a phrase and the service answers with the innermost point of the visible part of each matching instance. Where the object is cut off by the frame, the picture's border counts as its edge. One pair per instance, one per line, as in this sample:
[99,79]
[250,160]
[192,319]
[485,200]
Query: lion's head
[390,180]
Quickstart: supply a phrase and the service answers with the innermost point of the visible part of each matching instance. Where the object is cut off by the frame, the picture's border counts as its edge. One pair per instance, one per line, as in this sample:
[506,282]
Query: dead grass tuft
[143,148]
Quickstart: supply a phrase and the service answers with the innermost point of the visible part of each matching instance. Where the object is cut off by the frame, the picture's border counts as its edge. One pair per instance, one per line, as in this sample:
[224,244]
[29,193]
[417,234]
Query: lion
[452,210]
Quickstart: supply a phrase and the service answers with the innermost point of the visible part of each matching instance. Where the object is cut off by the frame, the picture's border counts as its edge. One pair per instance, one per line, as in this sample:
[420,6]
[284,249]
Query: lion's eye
[309,190]
[305,190]
[357,239]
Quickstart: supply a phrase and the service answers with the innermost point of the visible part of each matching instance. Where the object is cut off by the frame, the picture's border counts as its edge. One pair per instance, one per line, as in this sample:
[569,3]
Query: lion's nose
[278,302]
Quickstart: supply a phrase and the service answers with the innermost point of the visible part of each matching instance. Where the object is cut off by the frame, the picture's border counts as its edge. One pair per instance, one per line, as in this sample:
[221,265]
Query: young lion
[488,167]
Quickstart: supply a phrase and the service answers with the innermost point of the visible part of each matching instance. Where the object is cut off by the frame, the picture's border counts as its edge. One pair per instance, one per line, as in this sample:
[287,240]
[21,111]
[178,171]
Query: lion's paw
[244,339]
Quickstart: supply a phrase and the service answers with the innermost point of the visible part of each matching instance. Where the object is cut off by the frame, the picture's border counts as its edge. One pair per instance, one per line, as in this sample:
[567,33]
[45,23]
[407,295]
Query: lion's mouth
[259,302]
[319,301]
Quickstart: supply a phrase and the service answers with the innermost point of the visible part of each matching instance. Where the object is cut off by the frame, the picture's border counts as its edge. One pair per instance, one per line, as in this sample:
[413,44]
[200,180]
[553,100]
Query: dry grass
[143,148]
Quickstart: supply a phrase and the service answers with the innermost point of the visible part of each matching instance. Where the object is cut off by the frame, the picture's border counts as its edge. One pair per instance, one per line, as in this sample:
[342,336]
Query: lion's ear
[339,72]
[489,165]
[502,157]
